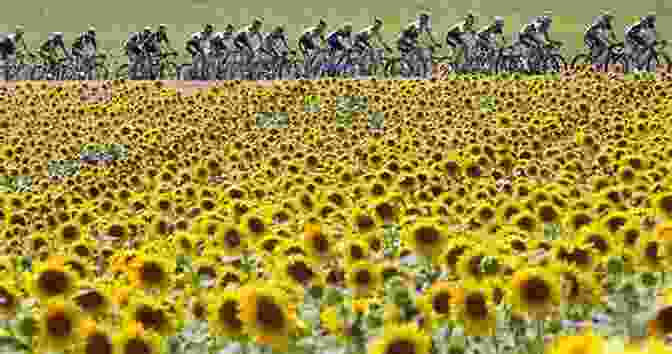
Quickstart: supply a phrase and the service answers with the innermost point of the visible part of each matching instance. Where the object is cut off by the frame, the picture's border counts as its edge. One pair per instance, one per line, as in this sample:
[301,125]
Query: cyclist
[408,39]
[198,46]
[599,36]
[160,40]
[362,40]
[274,45]
[241,39]
[339,41]
[534,35]
[492,32]
[49,49]
[135,48]
[9,45]
[636,40]
[222,42]
[84,48]
[307,41]
[456,33]
[488,37]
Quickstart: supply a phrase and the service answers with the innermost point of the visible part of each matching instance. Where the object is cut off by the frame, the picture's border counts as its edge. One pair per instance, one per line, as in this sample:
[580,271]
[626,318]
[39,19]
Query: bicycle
[92,67]
[509,60]
[547,58]
[62,69]
[371,61]
[412,64]
[654,56]
[14,71]
[613,52]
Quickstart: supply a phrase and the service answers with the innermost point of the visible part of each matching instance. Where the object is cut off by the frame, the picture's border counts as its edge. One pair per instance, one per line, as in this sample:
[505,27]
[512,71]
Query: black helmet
[229,28]
[649,18]
[279,30]
[209,28]
[377,21]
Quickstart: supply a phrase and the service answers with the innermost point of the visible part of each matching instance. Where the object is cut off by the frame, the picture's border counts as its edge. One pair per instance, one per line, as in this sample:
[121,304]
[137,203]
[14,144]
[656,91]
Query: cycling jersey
[636,32]
[242,38]
[309,38]
[137,42]
[84,42]
[454,36]
[272,42]
[200,41]
[363,37]
[489,32]
[222,41]
[594,35]
[48,49]
[335,39]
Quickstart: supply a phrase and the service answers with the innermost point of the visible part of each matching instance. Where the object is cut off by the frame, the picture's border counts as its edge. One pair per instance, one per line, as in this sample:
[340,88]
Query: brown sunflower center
[98,343]
[320,243]
[150,318]
[269,314]
[53,282]
[228,314]
[427,235]
[300,272]
[536,291]
[151,273]
[7,300]
[70,233]
[441,303]
[362,277]
[59,325]
[256,225]
[137,346]
[476,306]
[90,301]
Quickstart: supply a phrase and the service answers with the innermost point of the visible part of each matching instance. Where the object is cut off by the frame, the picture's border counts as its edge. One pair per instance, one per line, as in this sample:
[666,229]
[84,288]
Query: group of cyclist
[598,37]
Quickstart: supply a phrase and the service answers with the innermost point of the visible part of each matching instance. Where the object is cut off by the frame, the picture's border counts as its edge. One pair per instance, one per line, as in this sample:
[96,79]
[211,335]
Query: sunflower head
[264,312]
[363,278]
[534,292]
[224,314]
[53,278]
[402,338]
[59,325]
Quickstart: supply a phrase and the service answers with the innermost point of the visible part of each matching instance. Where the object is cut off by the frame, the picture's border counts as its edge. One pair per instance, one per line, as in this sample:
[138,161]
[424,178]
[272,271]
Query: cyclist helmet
[92,30]
[469,16]
[649,18]
[257,21]
[209,28]
[19,30]
[322,23]
[377,21]
[424,15]
[499,21]
[347,27]
[279,30]
[229,28]
[162,27]
[147,30]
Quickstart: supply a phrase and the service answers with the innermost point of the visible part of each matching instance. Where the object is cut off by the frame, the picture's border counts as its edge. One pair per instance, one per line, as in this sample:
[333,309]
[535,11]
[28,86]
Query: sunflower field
[463,216]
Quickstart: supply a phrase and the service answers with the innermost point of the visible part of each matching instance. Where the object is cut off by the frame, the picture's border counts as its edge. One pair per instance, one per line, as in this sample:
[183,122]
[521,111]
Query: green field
[115,19]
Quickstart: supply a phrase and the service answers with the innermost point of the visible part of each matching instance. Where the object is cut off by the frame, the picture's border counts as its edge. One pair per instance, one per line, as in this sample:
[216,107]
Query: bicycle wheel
[581,60]
[621,60]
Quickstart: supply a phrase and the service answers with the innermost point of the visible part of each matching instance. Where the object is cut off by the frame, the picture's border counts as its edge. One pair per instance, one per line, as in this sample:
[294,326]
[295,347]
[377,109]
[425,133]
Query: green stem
[540,335]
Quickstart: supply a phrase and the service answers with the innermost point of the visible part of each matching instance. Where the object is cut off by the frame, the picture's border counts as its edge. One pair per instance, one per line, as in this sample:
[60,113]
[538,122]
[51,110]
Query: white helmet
[499,20]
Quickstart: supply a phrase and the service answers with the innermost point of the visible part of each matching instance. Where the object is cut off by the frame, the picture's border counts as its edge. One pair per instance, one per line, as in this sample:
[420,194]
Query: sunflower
[224,314]
[355,250]
[426,238]
[95,340]
[92,300]
[363,278]
[442,296]
[402,338]
[253,225]
[59,326]
[150,314]
[586,343]
[317,242]
[299,269]
[264,312]
[663,205]
[52,278]
[150,272]
[134,339]
[534,292]
[475,307]
[577,286]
